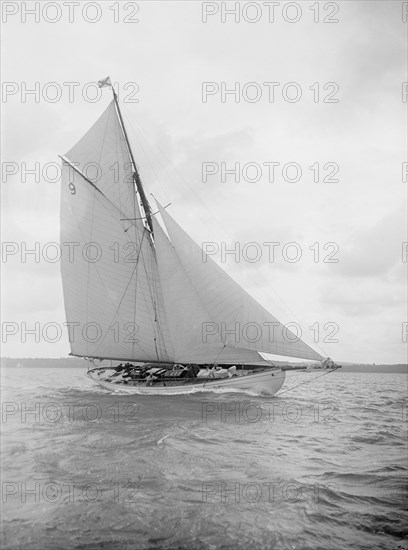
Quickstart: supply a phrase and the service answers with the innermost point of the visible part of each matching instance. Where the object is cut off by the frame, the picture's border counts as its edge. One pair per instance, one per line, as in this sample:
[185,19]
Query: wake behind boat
[141,291]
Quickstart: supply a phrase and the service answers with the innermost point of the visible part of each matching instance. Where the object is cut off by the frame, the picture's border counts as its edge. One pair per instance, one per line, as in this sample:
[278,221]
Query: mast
[136,176]
[146,207]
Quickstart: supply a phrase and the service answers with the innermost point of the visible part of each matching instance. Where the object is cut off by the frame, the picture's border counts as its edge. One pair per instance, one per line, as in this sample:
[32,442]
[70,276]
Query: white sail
[187,315]
[239,319]
[102,155]
[113,300]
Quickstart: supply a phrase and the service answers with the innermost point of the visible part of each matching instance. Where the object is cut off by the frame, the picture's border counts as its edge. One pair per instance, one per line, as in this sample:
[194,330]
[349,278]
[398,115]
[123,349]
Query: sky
[336,104]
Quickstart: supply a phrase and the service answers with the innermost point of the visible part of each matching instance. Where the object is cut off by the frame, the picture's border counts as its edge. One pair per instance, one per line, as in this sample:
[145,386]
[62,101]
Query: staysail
[236,317]
[190,324]
[133,293]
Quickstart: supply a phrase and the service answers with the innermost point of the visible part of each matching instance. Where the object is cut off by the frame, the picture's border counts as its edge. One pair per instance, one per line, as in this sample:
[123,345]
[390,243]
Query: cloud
[374,251]
[360,298]
[170,53]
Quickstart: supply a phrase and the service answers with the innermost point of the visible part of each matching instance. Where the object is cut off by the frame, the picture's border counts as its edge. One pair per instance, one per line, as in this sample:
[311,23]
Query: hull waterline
[264,383]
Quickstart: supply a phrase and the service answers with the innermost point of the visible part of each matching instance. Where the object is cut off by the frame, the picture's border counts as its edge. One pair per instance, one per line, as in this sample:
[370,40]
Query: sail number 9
[71,187]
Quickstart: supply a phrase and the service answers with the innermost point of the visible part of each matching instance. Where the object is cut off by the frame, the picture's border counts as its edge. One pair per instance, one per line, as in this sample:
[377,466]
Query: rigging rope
[221,350]
[216,359]
[307,382]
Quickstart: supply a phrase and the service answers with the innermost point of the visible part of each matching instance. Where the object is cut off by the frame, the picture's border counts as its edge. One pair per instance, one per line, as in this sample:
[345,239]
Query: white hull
[264,383]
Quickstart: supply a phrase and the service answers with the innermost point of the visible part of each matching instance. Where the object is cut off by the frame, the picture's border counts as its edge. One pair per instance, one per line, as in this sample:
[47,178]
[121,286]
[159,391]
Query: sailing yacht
[140,292]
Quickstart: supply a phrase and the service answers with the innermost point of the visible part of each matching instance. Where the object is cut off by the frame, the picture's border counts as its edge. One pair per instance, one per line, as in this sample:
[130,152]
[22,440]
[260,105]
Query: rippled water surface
[321,467]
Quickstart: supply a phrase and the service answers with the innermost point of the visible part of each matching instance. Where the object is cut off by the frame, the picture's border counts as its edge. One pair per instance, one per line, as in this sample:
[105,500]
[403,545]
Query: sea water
[323,466]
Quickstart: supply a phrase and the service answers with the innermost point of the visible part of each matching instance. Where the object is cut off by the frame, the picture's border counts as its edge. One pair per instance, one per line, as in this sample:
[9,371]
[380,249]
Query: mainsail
[112,293]
[133,292]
